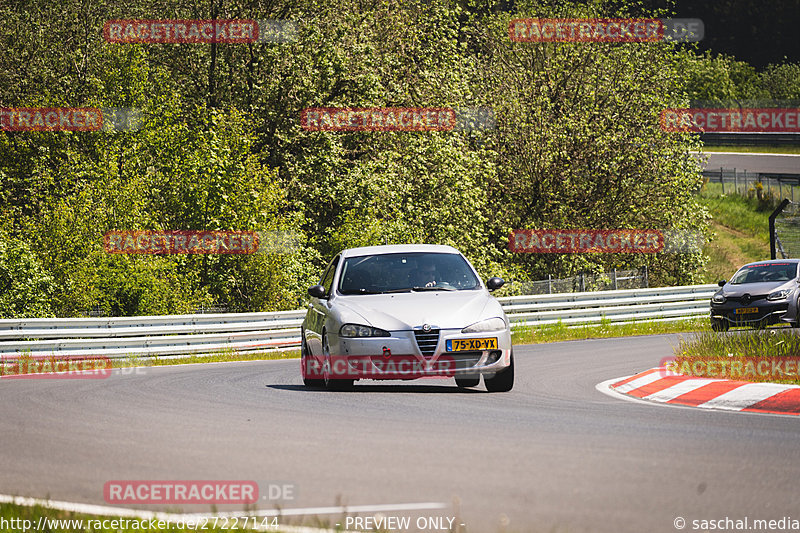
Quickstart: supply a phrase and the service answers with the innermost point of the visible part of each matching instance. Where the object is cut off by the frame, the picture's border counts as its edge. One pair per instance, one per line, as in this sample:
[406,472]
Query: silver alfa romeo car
[405,312]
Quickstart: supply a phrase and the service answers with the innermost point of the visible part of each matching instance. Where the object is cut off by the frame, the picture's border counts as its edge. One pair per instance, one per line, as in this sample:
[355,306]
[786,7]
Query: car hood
[404,311]
[754,289]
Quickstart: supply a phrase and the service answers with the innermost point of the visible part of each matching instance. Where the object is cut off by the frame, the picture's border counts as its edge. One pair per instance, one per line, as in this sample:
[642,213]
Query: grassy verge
[771,355]
[561,332]
[740,229]
[754,149]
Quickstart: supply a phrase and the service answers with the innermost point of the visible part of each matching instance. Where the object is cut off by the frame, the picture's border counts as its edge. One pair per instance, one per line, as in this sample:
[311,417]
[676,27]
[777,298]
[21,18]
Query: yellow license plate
[746,310]
[464,345]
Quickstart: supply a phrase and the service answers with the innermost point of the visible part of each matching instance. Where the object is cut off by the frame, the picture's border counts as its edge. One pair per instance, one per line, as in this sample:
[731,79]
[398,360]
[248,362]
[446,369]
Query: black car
[759,294]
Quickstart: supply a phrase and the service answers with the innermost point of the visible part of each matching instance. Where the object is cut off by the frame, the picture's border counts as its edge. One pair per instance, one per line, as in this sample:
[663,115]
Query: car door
[318,310]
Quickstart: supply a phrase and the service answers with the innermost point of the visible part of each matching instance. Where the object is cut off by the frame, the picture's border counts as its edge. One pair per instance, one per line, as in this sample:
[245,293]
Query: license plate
[746,310]
[469,345]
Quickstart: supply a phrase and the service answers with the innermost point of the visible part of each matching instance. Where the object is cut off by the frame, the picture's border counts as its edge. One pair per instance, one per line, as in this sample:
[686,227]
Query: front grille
[427,341]
[463,360]
[753,298]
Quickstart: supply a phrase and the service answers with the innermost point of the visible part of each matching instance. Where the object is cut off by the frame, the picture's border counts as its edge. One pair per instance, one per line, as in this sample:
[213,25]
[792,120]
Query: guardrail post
[615,278]
[549,284]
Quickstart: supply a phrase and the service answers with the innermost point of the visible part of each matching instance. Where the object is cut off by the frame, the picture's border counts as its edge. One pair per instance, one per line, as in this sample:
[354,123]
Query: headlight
[779,295]
[492,324]
[718,298]
[355,330]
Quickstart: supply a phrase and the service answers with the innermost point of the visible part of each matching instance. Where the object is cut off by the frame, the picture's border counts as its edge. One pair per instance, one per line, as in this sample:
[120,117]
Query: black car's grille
[427,341]
[741,299]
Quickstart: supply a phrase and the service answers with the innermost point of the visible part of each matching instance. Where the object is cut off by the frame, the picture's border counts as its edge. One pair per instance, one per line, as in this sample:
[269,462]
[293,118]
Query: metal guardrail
[148,336]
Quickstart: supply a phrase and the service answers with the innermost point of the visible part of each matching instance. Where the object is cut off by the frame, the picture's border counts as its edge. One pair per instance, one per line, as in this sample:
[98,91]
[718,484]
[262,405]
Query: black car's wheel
[468,381]
[503,381]
[310,377]
[796,322]
[331,382]
[719,325]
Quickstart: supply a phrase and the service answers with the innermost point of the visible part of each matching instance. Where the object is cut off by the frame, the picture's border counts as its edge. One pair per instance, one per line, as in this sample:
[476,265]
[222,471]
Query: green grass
[741,355]
[740,228]
[754,149]
[561,332]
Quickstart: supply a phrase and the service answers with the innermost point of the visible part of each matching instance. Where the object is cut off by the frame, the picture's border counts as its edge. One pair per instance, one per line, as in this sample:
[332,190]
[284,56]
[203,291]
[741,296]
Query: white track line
[124,512]
[679,389]
[641,382]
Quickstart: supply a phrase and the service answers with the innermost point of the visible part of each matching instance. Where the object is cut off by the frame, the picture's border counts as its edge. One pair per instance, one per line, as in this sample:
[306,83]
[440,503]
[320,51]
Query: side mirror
[494,283]
[317,291]
[721,282]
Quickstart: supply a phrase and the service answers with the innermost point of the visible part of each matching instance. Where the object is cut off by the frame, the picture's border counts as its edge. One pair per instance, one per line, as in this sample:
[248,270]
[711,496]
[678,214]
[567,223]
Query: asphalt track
[552,455]
[755,162]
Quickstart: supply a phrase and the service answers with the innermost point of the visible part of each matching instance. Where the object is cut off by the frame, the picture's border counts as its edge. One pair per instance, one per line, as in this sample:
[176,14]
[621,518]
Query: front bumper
[400,357]
[769,312]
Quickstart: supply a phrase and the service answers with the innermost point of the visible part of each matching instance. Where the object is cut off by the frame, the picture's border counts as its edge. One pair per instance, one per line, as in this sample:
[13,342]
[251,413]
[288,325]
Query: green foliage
[25,286]
[220,147]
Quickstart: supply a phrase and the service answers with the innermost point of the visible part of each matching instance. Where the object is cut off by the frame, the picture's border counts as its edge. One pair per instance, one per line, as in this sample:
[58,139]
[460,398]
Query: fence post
[549,284]
[580,283]
[735,182]
[722,179]
[646,283]
[615,279]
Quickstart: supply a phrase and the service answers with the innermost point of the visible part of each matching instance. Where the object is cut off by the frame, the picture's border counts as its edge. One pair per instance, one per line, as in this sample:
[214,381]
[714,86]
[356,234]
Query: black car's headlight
[779,295]
[718,298]
[356,330]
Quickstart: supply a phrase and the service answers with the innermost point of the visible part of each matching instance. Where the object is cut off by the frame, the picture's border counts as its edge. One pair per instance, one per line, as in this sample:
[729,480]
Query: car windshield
[406,272]
[765,272]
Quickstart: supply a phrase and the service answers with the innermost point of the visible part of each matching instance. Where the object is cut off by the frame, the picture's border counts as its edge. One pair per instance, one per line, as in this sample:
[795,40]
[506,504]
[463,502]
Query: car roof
[399,249]
[772,261]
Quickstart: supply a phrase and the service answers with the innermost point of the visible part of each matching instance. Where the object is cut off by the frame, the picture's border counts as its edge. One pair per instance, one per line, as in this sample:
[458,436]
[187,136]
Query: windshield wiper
[433,288]
[396,290]
[359,291]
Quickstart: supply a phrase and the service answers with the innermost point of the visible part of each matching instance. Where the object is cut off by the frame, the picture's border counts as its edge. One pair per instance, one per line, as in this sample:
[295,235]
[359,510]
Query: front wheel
[307,367]
[331,382]
[503,381]
[719,324]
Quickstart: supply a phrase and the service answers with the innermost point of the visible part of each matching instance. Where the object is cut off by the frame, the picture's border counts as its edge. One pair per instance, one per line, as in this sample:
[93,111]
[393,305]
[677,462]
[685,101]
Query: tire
[332,384]
[465,382]
[308,381]
[503,381]
[719,325]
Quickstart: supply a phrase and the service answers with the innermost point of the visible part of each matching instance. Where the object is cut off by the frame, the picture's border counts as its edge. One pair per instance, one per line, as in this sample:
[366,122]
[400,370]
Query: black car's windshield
[406,272]
[765,272]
